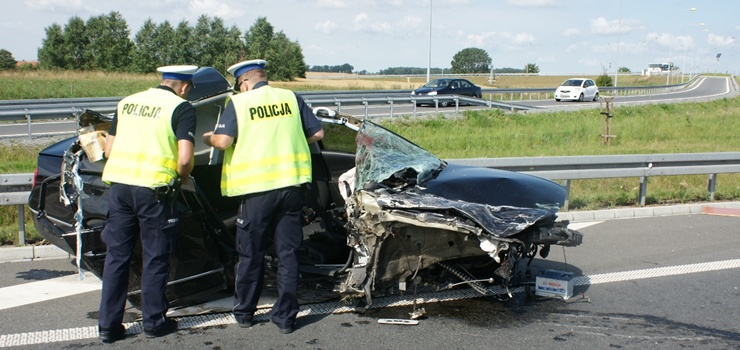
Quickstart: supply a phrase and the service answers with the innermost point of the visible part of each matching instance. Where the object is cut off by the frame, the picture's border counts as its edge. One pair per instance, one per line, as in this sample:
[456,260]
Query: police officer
[265,132]
[149,144]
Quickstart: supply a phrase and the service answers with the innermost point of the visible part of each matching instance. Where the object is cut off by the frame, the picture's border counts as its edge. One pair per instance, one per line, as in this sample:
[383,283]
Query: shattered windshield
[384,157]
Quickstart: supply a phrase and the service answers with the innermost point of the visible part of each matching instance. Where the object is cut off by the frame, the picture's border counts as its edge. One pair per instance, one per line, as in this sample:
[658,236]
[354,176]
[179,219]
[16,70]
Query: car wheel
[596,97]
[443,104]
[580,98]
[557,100]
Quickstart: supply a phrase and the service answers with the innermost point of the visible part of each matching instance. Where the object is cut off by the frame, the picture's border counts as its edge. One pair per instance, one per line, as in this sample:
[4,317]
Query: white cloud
[520,38]
[363,23]
[215,8]
[670,41]
[326,27]
[491,38]
[410,25]
[719,40]
[53,5]
[411,22]
[625,25]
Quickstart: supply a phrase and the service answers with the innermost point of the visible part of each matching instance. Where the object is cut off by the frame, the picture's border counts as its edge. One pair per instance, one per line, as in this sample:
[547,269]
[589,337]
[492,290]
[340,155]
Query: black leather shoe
[111,335]
[287,329]
[169,326]
[245,323]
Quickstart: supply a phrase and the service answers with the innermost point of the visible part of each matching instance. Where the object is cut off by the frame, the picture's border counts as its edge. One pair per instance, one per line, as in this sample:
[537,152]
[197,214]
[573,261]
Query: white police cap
[245,66]
[178,72]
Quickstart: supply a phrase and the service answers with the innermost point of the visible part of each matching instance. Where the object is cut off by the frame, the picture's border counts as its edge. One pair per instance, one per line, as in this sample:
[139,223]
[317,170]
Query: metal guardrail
[15,187]
[615,166]
[14,190]
[27,110]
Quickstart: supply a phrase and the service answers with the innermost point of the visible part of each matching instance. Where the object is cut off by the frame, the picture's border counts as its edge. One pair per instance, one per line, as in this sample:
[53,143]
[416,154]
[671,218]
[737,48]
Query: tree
[162,39]
[201,38]
[258,39]
[285,58]
[471,60]
[531,68]
[51,54]
[216,45]
[7,61]
[75,44]
[624,70]
[185,44]
[278,55]
[234,47]
[109,47]
[145,50]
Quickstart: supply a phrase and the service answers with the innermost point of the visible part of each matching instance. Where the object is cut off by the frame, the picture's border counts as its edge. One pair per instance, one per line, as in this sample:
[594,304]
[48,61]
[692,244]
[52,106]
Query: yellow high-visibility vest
[270,150]
[145,149]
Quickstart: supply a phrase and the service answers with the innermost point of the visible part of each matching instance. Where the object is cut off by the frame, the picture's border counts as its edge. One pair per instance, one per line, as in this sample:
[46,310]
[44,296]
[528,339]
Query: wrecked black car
[381,213]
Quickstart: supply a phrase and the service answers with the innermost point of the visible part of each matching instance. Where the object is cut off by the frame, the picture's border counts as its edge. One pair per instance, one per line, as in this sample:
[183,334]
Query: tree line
[103,43]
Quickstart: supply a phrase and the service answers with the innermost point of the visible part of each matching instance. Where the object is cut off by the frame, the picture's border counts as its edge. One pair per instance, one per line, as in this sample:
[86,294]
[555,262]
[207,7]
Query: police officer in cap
[150,144]
[265,132]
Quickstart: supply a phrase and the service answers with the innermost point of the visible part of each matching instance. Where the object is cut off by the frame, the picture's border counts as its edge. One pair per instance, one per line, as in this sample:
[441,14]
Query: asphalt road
[705,88]
[647,283]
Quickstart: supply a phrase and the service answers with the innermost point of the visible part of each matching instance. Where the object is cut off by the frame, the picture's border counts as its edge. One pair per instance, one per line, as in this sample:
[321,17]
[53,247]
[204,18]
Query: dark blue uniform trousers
[277,214]
[134,212]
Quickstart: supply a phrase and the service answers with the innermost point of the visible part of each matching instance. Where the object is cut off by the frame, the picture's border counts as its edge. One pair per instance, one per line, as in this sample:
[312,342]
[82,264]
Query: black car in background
[447,86]
[399,214]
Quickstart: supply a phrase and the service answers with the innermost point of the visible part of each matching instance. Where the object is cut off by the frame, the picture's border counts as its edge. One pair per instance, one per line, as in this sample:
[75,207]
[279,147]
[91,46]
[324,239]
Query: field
[663,128]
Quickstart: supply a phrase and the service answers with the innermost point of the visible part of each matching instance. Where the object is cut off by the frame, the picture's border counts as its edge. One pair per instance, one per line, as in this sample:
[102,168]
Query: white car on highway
[577,89]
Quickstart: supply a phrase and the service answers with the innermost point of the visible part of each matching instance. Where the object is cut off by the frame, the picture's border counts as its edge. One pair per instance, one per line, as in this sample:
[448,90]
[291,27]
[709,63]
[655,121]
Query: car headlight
[432,93]
[413,93]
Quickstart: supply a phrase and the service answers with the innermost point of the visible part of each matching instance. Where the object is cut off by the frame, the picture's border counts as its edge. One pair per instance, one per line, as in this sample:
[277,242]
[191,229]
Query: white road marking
[34,292]
[335,307]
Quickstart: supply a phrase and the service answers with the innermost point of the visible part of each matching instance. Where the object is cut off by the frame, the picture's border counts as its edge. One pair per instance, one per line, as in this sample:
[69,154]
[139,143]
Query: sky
[561,37]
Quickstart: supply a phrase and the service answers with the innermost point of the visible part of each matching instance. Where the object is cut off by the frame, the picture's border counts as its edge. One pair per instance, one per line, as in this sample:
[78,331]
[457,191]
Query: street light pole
[619,42]
[684,61]
[670,63]
[429,62]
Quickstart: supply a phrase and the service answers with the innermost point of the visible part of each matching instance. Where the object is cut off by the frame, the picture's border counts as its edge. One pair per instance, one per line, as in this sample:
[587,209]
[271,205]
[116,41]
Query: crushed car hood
[403,176]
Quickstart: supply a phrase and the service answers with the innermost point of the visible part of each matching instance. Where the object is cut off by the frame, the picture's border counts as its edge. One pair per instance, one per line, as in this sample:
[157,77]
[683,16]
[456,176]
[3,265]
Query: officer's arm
[108,145]
[219,141]
[185,158]
[315,137]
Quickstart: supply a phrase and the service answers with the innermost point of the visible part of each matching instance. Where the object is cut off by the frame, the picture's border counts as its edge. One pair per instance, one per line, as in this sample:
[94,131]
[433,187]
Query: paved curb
[643,212]
[30,253]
